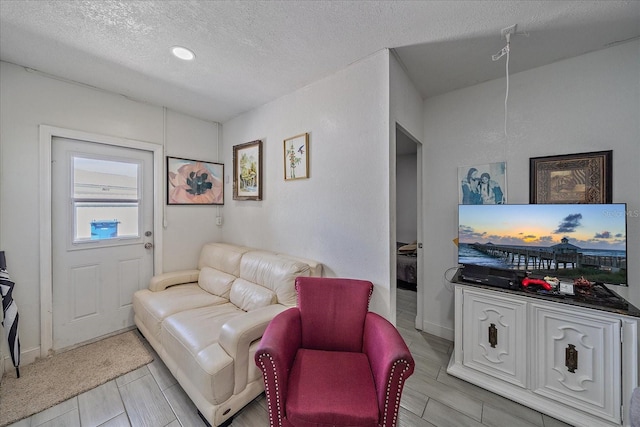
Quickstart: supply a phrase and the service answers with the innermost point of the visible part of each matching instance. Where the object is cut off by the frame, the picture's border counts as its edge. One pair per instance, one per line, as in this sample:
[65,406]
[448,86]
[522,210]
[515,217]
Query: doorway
[409,275]
[102,217]
[89,265]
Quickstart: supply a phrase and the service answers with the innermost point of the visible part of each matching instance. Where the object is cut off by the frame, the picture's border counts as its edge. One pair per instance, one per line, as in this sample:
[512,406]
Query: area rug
[50,381]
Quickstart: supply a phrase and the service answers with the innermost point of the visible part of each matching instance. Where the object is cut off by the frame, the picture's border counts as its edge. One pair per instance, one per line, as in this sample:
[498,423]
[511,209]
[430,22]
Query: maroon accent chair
[331,362]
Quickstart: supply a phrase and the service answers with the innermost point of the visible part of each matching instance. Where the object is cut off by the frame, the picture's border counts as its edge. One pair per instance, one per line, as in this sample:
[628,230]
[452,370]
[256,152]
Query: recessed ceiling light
[183,53]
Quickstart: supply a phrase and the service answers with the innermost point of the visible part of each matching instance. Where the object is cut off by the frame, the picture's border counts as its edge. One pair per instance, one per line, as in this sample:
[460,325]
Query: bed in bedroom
[406,266]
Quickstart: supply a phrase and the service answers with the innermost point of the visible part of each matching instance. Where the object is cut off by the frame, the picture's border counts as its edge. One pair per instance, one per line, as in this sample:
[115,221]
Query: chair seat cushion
[331,388]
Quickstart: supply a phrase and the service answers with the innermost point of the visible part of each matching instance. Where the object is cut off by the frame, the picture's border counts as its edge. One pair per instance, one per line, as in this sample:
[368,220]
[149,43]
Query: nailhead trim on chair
[268,390]
[396,406]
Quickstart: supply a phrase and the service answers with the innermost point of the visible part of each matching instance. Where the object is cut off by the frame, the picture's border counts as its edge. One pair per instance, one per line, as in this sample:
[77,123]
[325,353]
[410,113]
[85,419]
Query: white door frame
[420,258]
[420,228]
[47,133]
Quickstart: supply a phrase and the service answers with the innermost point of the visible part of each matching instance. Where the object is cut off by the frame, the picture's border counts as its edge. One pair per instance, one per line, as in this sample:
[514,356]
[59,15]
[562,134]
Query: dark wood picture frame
[247,171]
[571,178]
[194,182]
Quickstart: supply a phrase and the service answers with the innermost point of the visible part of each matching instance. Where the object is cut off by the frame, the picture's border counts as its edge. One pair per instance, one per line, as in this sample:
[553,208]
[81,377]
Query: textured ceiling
[249,53]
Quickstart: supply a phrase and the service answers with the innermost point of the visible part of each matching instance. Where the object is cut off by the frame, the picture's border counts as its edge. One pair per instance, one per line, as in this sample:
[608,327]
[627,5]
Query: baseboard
[26,357]
[437,330]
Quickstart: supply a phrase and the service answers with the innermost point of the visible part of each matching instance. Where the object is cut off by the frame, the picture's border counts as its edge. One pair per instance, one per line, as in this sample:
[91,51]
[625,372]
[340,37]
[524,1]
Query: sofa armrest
[275,356]
[239,332]
[391,363]
[164,280]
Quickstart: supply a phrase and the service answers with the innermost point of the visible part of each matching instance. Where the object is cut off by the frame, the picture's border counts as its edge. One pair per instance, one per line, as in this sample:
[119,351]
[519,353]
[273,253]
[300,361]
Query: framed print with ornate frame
[247,171]
[571,178]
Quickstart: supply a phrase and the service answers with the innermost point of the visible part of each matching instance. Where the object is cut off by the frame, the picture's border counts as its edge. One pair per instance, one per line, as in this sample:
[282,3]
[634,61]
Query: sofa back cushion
[315,266]
[273,272]
[222,256]
[249,296]
[215,281]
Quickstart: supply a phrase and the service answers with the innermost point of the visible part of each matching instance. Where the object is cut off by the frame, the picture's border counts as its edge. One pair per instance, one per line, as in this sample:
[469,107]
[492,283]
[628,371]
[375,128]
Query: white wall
[582,104]
[30,99]
[340,215]
[405,111]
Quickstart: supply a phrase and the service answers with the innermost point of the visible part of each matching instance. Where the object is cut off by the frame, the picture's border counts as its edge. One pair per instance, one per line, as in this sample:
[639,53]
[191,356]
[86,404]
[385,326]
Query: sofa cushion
[190,338]
[331,388]
[222,256]
[215,281]
[315,266]
[151,308]
[249,296]
[274,272]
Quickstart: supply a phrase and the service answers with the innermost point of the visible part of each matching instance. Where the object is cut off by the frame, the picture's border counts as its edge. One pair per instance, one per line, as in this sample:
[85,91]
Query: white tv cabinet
[576,363]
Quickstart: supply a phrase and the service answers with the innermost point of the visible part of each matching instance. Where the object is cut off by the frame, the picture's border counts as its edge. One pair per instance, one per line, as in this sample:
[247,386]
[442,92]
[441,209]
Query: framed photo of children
[482,184]
[247,171]
[296,157]
[194,182]
[571,178]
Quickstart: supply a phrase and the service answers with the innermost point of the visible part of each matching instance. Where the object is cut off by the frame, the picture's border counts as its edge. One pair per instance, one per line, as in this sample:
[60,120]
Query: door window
[106,198]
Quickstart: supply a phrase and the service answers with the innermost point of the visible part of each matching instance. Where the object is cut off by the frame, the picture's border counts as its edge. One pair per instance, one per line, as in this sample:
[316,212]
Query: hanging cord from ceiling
[506,95]
[505,51]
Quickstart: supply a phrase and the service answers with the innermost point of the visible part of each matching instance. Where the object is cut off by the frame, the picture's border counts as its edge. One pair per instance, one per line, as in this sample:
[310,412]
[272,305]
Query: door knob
[148,245]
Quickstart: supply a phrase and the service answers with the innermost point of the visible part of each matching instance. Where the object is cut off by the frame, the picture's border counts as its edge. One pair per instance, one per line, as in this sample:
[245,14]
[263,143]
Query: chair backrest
[332,312]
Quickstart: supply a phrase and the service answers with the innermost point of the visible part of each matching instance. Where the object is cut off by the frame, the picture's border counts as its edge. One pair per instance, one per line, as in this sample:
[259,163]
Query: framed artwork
[247,171]
[194,182]
[483,184]
[571,178]
[296,157]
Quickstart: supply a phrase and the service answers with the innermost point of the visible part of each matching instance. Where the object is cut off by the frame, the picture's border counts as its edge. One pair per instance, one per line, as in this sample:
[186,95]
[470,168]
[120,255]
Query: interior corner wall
[582,104]
[406,111]
[29,99]
[339,216]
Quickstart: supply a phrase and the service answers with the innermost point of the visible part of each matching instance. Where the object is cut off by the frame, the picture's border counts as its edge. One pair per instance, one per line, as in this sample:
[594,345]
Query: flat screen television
[567,241]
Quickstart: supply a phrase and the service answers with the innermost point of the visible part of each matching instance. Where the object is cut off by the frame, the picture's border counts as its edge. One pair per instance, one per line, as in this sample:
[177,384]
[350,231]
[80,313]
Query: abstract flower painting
[193,182]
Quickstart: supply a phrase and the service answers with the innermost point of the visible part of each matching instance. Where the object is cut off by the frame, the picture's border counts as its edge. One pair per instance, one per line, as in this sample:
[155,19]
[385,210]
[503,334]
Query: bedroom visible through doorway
[408,227]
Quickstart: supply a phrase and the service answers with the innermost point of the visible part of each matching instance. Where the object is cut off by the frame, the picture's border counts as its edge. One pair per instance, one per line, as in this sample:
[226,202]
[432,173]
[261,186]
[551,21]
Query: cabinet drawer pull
[493,335]
[571,358]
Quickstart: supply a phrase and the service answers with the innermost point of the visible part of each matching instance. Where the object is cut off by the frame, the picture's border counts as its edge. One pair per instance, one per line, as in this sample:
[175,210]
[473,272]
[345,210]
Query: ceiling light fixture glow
[183,53]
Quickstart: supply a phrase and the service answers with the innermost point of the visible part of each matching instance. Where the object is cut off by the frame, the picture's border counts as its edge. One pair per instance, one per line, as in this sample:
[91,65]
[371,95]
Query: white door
[102,243]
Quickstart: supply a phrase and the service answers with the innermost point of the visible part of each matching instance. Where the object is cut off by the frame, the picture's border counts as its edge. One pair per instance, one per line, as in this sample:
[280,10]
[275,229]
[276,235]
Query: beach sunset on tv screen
[559,237]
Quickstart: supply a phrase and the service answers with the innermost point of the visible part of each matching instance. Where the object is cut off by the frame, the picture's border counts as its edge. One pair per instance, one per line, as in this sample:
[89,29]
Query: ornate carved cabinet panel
[494,336]
[574,363]
[577,359]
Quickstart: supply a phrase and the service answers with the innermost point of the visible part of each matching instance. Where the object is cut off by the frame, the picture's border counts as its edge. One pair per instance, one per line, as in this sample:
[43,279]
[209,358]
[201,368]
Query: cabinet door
[577,359]
[494,336]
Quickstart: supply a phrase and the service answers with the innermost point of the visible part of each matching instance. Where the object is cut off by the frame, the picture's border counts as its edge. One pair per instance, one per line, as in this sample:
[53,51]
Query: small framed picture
[483,184]
[194,182]
[571,178]
[296,157]
[247,171]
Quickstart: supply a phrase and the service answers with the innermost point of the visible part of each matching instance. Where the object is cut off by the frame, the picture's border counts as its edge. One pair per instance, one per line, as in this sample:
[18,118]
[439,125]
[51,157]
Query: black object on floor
[406,285]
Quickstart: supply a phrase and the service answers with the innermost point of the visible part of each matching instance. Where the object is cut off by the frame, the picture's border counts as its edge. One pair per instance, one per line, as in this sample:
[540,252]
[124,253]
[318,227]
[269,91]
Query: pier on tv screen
[568,241]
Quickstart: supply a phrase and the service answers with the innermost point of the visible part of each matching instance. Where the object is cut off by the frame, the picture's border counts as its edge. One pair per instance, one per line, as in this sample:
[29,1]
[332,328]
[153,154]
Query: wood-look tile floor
[151,397]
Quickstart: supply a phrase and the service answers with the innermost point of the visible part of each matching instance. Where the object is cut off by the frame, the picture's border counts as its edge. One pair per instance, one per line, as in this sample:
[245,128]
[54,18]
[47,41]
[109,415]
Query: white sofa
[205,323]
